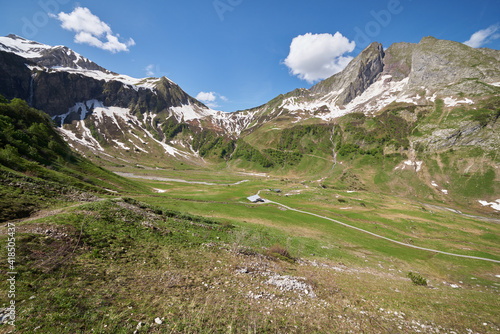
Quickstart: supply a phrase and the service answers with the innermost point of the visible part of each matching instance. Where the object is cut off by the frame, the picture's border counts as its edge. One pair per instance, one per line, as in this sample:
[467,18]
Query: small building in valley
[255,199]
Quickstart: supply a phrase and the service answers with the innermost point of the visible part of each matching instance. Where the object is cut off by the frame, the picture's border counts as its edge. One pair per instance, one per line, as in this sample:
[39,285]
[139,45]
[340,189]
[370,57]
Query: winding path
[165,179]
[377,235]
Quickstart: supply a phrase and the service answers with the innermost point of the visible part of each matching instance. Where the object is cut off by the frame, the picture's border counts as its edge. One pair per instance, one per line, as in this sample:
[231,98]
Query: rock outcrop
[361,72]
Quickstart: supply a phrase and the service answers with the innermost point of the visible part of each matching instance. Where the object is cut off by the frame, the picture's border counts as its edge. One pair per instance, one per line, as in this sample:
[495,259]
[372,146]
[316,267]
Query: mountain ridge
[133,119]
[406,72]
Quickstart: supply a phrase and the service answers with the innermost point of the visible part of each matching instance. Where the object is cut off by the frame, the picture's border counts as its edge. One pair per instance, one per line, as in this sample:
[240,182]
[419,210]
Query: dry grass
[225,284]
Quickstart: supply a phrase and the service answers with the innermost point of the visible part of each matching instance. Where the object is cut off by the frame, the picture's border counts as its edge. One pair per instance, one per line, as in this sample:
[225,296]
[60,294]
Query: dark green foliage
[357,115]
[38,168]
[292,145]
[393,127]
[395,107]
[248,153]
[387,129]
[347,149]
[27,135]
[171,128]
[488,113]
[306,139]
[210,144]
[417,279]
[281,158]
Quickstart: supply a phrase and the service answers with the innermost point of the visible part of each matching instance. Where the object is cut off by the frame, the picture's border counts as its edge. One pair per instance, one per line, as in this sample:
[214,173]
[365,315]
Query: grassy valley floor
[138,262]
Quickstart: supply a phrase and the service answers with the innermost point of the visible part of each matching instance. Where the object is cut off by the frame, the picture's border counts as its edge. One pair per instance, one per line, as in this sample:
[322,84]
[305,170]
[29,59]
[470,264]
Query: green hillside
[456,148]
[39,169]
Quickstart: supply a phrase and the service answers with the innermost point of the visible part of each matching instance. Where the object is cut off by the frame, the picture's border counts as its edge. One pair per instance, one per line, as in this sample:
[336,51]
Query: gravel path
[379,236]
[165,179]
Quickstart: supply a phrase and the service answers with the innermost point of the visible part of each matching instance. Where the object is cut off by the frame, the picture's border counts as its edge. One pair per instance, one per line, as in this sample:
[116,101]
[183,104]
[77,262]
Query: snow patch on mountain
[380,94]
[22,47]
[38,51]
[294,104]
[235,123]
[190,112]
[410,164]
[494,205]
[117,116]
[133,83]
[453,102]
[120,144]
[86,140]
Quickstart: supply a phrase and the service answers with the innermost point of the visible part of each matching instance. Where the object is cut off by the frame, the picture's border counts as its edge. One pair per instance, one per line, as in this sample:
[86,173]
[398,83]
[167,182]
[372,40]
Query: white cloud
[318,56]
[210,99]
[206,96]
[150,70]
[483,37]
[91,30]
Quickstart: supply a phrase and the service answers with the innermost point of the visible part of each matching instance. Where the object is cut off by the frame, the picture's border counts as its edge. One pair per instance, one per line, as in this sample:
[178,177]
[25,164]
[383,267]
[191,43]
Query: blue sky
[242,53]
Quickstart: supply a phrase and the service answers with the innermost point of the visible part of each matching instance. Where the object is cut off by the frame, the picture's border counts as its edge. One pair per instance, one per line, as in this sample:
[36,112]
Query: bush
[281,253]
[417,279]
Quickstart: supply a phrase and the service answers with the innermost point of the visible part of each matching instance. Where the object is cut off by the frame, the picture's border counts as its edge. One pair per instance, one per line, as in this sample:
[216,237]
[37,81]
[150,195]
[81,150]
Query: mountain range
[126,205]
[409,100]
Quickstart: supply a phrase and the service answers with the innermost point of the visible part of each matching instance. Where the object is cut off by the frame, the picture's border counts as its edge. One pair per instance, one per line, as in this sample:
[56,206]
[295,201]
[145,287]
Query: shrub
[417,279]
[281,253]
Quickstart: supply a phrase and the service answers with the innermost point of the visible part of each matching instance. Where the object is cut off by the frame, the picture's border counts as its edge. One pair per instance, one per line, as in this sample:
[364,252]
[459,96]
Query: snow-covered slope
[23,47]
[46,55]
[132,133]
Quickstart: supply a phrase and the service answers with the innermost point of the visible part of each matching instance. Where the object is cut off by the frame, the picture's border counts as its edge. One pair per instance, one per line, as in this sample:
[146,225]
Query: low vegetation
[39,169]
[417,279]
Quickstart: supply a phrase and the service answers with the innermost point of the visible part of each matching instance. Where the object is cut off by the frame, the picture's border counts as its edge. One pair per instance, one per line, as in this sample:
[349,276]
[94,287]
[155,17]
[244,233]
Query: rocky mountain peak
[356,77]
[47,56]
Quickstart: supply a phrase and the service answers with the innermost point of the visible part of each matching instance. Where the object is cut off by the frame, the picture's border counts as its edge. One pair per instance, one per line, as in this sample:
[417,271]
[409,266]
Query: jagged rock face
[56,92]
[437,64]
[55,79]
[356,77]
[368,72]
[15,77]
[464,134]
[398,60]
[65,57]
